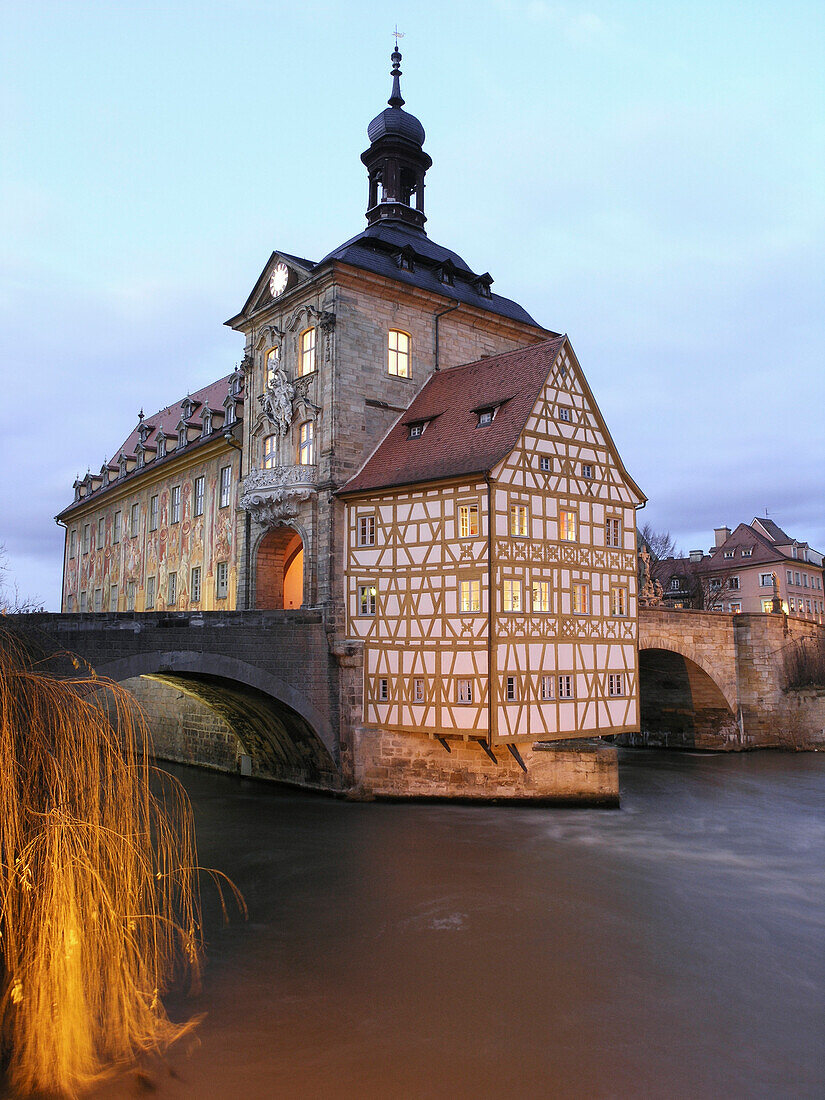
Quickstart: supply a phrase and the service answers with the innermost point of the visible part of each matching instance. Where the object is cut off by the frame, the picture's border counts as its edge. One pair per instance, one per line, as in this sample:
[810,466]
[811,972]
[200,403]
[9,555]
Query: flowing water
[672,948]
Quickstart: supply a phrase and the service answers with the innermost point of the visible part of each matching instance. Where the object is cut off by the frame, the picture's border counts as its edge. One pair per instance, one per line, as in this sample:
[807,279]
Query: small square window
[464,691]
[565,687]
[587,470]
[729,553]
[545,463]
[486,416]
[417,430]
[564,413]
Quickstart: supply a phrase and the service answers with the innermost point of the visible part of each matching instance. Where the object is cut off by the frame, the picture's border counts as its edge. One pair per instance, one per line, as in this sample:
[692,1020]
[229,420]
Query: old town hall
[413,456]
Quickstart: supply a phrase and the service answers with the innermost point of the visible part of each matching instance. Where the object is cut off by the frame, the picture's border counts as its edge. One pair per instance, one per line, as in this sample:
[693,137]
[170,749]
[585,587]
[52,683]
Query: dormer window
[417,429]
[161,441]
[406,259]
[236,381]
[207,422]
[483,284]
[747,553]
[729,553]
[121,465]
[181,435]
[445,273]
[487,416]
[141,459]
[230,414]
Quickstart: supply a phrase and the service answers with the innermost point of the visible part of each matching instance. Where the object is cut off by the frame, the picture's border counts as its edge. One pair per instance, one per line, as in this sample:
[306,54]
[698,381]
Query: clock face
[278,280]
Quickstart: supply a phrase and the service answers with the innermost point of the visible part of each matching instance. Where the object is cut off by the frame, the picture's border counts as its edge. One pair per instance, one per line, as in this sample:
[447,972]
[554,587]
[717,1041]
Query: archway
[279,570]
[680,704]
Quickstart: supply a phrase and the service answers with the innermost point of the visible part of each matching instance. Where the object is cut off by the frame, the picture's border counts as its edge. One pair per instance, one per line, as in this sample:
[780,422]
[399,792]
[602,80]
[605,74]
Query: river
[671,948]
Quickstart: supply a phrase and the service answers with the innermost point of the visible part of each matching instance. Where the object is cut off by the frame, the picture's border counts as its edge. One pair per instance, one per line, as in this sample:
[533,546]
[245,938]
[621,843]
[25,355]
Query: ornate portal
[274,496]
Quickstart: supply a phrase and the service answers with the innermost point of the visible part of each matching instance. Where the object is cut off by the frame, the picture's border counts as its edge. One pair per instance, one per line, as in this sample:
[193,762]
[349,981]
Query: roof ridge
[487,359]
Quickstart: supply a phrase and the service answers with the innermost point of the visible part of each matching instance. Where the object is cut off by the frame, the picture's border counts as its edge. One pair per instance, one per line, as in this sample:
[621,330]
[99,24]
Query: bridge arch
[275,724]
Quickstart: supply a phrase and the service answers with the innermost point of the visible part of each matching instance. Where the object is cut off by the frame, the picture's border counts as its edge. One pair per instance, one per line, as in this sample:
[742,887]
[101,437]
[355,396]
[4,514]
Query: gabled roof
[744,537]
[774,532]
[453,444]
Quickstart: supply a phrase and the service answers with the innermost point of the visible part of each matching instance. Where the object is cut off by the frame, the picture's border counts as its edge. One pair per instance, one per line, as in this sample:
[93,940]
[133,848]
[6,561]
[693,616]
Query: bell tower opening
[279,571]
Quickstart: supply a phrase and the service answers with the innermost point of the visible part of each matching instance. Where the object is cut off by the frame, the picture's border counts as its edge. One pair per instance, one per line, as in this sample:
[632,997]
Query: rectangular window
[366,530]
[729,553]
[82,602]
[226,486]
[486,416]
[366,599]
[467,521]
[541,595]
[116,528]
[86,538]
[308,351]
[747,553]
[270,452]
[200,492]
[398,362]
[131,589]
[150,593]
[714,584]
[512,595]
[796,578]
[464,691]
[587,470]
[545,464]
[222,580]
[808,606]
[70,604]
[615,684]
[153,513]
[733,582]
[134,523]
[767,606]
[195,584]
[546,687]
[113,598]
[618,601]
[72,543]
[418,691]
[789,576]
[101,532]
[565,687]
[174,505]
[172,590]
[417,430]
[383,689]
[306,444]
[567,525]
[98,599]
[581,598]
[735,607]
[805,579]
[612,532]
[469,598]
[511,688]
[766,580]
[518,520]
[791,604]
[564,414]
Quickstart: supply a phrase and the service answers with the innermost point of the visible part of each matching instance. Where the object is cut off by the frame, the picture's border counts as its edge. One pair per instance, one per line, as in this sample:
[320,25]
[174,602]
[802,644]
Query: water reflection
[672,948]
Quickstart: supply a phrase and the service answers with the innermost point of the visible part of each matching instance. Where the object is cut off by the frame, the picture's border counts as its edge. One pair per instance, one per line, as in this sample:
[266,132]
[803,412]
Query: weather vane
[398,34]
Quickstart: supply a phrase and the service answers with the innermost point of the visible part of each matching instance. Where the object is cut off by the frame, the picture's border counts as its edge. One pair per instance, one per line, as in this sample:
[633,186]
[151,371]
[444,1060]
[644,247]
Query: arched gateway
[279,570]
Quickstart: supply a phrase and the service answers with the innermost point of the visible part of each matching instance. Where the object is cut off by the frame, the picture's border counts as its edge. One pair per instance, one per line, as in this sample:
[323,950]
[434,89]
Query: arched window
[308,351]
[273,361]
[398,362]
[270,445]
[306,444]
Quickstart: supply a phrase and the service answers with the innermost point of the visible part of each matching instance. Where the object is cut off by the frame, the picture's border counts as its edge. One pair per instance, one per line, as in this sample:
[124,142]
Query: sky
[648,178]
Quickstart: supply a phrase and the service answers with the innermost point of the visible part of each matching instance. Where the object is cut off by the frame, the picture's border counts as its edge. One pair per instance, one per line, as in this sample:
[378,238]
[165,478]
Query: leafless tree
[11,601]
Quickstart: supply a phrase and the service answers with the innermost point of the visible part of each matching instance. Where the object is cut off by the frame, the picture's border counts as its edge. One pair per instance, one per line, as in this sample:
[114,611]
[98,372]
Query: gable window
[134,522]
[546,687]
[618,600]
[116,528]
[207,423]
[200,492]
[366,530]
[766,580]
[153,513]
[675,584]
[565,687]
[518,520]
[172,590]
[161,442]
[229,418]
[174,506]
[567,525]
[469,596]
[467,521]
[182,436]
[150,593]
[512,594]
[545,464]
[729,553]
[511,688]
[581,598]
[587,470]
[541,595]
[398,361]
[226,486]
[464,691]
[366,599]
[564,413]
[612,531]
[615,684]
[306,444]
[270,449]
[307,361]
[195,584]
[222,580]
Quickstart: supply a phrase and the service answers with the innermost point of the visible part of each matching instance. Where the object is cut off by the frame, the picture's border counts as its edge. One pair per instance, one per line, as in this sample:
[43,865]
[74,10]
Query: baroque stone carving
[276,401]
[274,496]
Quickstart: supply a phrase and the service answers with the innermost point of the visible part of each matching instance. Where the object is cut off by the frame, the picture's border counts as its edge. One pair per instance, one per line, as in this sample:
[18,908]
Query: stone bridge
[716,680]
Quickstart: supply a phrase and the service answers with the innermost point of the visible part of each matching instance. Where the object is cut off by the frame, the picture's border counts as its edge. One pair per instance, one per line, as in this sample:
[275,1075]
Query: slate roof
[453,444]
[744,537]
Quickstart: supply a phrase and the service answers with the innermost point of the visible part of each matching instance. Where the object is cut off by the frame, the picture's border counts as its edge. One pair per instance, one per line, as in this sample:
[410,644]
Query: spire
[395,99]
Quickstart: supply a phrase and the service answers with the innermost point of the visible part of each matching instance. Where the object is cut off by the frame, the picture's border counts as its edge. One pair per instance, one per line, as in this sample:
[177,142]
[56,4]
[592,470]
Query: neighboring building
[392,350]
[746,570]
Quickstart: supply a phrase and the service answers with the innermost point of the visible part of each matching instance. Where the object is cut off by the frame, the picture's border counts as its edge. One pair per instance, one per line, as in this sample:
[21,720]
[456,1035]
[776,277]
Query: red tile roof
[168,418]
[453,444]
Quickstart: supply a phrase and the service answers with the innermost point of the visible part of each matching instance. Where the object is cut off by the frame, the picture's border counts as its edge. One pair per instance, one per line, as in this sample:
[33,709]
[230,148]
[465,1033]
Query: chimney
[720,534]
[696,555]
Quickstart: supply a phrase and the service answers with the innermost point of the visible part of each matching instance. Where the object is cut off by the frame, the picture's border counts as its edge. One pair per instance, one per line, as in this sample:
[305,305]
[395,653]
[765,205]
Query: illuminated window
[174,505]
[512,595]
[273,361]
[222,580]
[565,687]
[541,595]
[467,521]
[366,530]
[567,525]
[612,532]
[469,595]
[767,605]
[270,447]
[618,601]
[511,688]
[518,520]
[307,362]
[306,444]
[581,598]
[398,361]
[615,684]
[153,514]
[418,691]
[200,492]
[735,607]
[366,599]
[134,522]
[383,689]
[226,486]
[150,593]
[172,590]
[464,689]
[195,584]
[546,687]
